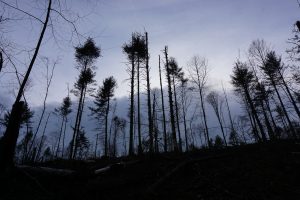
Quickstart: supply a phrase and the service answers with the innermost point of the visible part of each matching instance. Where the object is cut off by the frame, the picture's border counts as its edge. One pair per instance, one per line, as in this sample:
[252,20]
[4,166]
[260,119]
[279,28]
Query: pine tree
[86,56]
[102,105]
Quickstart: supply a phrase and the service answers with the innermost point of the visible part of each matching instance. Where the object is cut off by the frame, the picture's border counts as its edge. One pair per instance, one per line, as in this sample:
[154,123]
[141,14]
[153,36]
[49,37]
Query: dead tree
[163,108]
[213,99]
[150,120]
[198,70]
[171,105]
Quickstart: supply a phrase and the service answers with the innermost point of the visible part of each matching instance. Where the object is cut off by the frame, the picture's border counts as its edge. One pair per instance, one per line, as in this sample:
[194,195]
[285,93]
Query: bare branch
[22,11]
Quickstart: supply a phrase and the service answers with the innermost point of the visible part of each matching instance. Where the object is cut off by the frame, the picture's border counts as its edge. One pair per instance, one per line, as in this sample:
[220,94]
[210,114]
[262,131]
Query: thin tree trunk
[59,137]
[290,95]
[163,108]
[284,111]
[150,121]
[42,138]
[222,129]
[156,149]
[73,141]
[271,115]
[64,137]
[184,117]
[174,139]
[96,144]
[79,123]
[254,112]
[140,150]
[106,128]
[228,109]
[252,121]
[177,116]
[131,106]
[204,114]
[268,124]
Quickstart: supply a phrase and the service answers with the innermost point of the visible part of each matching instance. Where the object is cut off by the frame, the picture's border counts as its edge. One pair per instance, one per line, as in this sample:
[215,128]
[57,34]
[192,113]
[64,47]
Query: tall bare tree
[163,108]
[171,104]
[150,120]
[198,70]
[214,99]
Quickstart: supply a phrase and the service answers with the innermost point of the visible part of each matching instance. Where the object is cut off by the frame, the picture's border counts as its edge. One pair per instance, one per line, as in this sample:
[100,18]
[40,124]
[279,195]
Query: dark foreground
[269,171]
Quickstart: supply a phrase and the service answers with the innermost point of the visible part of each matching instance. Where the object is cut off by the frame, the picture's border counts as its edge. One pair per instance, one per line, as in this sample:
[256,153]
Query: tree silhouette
[242,80]
[63,111]
[140,55]
[233,133]
[85,56]
[273,71]
[163,108]
[102,105]
[213,98]
[8,143]
[184,105]
[119,125]
[150,120]
[198,71]
[171,105]
[128,49]
[176,74]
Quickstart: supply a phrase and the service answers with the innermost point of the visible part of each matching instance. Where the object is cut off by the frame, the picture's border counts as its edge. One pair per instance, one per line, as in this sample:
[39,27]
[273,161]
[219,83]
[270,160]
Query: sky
[219,30]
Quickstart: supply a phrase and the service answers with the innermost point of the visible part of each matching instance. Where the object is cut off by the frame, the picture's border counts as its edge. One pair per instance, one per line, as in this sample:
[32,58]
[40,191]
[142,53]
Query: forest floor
[255,171]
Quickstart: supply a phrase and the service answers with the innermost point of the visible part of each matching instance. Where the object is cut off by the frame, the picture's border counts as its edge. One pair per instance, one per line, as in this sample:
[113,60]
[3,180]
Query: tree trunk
[131,106]
[96,144]
[11,135]
[267,121]
[156,149]
[290,95]
[204,114]
[184,117]
[284,110]
[228,110]
[177,115]
[73,141]
[222,129]
[64,137]
[59,137]
[140,150]
[106,128]
[174,139]
[150,120]
[42,139]
[77,126]
[254,112]
[163,108]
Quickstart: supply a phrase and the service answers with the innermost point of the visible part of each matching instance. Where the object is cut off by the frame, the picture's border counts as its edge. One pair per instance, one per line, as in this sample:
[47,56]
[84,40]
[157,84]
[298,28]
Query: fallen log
[54,171]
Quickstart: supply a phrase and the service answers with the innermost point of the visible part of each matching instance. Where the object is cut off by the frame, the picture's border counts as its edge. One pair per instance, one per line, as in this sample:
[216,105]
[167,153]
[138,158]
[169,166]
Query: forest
[177,127]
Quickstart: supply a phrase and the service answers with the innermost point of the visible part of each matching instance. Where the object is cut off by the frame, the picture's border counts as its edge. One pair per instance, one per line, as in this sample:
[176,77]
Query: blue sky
[219,30]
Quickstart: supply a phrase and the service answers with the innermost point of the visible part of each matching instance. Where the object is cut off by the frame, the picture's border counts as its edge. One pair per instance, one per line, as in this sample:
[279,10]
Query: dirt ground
[257,171]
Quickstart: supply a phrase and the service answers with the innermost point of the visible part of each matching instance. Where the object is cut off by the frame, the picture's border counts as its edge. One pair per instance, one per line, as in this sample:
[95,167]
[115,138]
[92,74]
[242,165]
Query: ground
[255,171]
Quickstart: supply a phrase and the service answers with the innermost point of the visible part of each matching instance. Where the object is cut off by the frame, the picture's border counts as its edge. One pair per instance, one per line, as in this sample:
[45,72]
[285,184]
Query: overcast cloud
[215,29]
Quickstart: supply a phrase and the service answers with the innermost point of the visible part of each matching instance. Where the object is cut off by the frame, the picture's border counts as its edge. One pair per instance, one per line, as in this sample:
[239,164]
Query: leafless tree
[198,71]
[214,99]
[163,108]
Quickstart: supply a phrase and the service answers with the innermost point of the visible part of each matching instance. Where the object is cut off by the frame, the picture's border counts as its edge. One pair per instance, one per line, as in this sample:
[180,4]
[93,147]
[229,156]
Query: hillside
[256,171]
